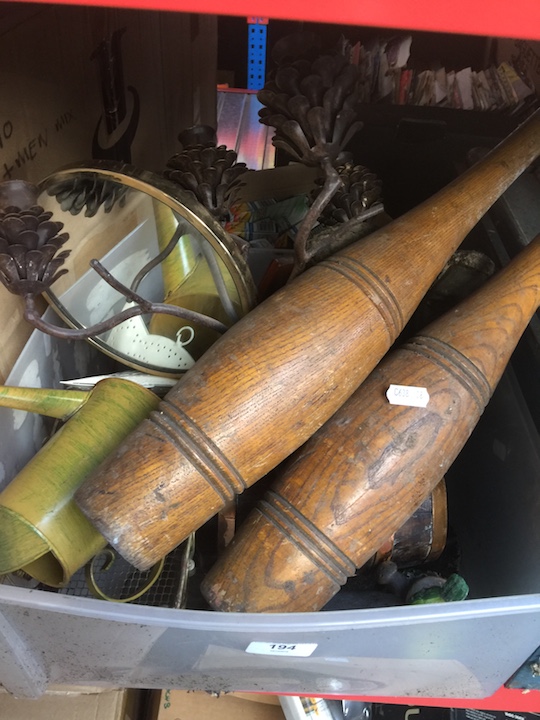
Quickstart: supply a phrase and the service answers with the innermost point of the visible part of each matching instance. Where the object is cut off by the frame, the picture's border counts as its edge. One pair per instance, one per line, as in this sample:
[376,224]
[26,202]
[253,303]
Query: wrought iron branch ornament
[313,107]
[31,259]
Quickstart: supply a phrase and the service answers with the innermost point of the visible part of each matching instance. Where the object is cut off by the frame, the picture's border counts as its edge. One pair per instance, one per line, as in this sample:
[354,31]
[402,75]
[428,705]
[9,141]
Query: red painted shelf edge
[510,699]
[497,18]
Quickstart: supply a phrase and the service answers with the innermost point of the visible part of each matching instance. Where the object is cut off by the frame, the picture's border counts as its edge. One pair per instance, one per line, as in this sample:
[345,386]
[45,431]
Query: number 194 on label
[290,649]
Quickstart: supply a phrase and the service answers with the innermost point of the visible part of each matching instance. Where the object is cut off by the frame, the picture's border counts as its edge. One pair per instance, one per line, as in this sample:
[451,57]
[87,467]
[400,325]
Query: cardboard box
[186,705]
[63,69]
[157,69]
[73,705]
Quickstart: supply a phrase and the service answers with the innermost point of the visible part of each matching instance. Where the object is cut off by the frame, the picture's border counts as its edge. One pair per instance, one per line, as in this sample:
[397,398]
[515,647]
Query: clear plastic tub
[462,649]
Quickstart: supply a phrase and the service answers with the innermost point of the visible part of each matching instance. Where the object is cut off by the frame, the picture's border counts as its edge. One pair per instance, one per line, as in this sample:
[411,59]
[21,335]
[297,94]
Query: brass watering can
[42,531]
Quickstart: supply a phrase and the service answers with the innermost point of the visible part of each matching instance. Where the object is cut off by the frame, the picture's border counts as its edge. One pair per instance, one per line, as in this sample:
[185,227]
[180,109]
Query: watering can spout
[60,404]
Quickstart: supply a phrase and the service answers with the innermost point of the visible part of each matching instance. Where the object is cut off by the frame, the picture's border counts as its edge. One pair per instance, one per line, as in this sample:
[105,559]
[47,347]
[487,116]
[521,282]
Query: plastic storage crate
[463,649]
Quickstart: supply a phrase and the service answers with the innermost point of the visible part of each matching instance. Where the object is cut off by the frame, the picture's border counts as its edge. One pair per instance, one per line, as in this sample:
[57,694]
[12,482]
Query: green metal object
[451,590]
[53,403]
[42,531]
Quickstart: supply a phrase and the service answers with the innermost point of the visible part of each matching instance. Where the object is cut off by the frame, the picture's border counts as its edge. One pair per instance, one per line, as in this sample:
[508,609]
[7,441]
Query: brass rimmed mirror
[160,243]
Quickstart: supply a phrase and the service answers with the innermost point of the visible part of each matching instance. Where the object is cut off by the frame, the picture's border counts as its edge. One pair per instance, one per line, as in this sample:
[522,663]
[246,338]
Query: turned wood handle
[371,465]
[272,380]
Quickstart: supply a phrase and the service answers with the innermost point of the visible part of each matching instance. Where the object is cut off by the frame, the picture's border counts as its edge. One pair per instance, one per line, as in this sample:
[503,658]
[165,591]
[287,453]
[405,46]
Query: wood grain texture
[271,381]
[366,470]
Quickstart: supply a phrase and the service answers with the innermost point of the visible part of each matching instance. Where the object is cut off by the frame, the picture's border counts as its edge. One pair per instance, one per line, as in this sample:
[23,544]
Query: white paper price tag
[290,649]
[407,395]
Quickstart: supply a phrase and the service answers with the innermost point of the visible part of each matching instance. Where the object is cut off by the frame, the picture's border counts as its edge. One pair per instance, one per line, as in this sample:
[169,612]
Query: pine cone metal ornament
[360,190]
[352,212]
[312,106]
[29,241]
[30,263]
[209,172]
[88,194]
